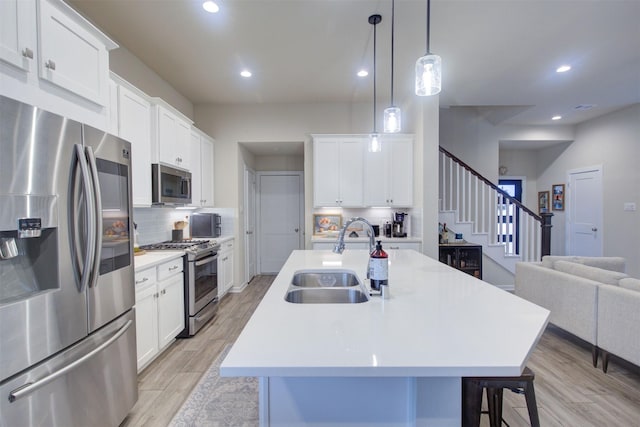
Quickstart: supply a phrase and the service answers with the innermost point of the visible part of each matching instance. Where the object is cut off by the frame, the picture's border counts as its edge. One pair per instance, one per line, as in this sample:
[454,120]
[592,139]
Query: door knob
[296,230]
[594,229]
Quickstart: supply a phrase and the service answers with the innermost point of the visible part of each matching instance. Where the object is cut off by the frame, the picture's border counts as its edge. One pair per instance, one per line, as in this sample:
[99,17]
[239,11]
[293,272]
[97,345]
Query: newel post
[546,233]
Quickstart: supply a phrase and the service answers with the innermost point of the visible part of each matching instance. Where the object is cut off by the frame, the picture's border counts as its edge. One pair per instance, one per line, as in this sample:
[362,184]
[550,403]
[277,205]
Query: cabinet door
[71,57]
[183,144]
[400,175]
[134,125]
[18,33]
[196,170]
[326,172]
[227,272]
[206,171]
[170,309]
[351,173]
[167,137]
[146,324]
[376,177]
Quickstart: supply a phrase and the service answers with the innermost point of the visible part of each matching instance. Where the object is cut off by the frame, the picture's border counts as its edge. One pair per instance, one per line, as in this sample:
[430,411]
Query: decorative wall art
[543,202]
[557,192]
[326,224]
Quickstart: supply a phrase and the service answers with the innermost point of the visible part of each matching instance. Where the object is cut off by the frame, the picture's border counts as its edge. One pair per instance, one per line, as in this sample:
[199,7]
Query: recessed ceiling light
[556,117]
[210,6]
[363,73]
[563,68]
[245,73]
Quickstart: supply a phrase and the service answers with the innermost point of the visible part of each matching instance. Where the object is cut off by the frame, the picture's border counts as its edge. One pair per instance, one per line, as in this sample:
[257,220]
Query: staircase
[472,205]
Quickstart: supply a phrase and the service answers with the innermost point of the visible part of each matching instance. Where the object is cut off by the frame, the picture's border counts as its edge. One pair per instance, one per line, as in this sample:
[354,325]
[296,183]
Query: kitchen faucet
[339,248]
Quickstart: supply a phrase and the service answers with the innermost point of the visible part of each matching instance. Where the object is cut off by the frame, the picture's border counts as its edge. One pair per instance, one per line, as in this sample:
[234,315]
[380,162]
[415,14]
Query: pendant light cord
[374,77]
[428,24]
[393,9]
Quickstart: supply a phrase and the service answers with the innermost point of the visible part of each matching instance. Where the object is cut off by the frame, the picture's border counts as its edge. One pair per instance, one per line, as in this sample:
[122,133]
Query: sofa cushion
[605,262]
[630,283]
[549,260]
[588,272]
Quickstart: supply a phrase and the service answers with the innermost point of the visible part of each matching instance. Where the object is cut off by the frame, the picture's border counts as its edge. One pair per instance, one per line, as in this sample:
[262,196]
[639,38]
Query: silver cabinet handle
[142,281]
[295,229]
[164,291]
[28,53]
[33,386]
[594,229]
[50,65]
[173,268]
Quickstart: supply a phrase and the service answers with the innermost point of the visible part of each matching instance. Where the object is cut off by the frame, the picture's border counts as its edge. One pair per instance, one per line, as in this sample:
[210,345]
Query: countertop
[348,239]
[439,322]
[153,258]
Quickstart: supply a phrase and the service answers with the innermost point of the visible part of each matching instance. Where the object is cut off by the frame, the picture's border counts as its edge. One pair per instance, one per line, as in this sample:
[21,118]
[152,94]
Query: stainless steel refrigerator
[67,323]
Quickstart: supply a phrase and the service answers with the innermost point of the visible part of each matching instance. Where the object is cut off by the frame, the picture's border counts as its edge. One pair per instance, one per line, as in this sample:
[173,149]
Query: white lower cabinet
[225,268]
[159,308]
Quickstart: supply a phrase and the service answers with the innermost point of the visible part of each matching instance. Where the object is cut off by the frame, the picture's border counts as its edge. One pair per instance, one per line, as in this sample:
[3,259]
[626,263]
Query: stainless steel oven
[200,281]
[201,289]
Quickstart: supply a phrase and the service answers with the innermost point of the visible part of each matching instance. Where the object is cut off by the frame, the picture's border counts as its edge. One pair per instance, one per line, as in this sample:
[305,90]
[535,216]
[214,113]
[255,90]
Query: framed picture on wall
[543,202]
[557,192]
[326,224]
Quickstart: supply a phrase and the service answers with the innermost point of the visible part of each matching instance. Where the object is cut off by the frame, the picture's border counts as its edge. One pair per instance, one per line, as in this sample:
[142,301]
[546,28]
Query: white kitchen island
[393,362]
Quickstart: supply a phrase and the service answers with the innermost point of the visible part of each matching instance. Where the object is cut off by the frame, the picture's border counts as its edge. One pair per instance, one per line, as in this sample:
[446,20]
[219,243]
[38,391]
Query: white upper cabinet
[53,58]
[388,174]
[201,169]
[134,125]
[171,136]
[73,55]
[18,33]
[338,170]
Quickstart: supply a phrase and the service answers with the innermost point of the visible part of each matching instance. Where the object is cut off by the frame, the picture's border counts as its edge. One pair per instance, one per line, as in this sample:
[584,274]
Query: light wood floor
[569,391]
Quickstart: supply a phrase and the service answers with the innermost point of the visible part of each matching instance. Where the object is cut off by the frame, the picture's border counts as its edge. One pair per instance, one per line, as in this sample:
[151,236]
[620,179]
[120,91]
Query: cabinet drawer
[145,291]
[226,246]
[145,277]
[170,268]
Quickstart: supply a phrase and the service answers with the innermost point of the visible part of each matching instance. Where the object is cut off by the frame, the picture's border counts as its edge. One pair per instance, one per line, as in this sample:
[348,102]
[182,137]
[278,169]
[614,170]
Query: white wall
[129,67]
[612,141]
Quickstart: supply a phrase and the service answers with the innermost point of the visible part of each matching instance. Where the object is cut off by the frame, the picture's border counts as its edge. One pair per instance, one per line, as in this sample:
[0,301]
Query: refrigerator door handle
[97,195]
[29,388]
[91,219]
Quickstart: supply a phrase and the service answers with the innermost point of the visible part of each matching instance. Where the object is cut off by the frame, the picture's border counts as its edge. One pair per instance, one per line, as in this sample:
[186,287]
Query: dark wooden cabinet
[465,257]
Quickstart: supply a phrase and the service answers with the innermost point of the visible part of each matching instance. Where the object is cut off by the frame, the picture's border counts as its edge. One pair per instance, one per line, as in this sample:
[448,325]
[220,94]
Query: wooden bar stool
[472,388]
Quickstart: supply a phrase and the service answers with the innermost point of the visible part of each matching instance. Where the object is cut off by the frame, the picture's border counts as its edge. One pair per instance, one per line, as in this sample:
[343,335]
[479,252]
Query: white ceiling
[499,56]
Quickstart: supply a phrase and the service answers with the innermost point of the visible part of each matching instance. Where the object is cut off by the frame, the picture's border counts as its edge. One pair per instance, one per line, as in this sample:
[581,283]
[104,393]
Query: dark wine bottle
[378,267]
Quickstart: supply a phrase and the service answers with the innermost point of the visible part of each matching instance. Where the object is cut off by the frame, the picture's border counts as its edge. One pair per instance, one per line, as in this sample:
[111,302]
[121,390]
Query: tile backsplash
[378,216]
[155,224]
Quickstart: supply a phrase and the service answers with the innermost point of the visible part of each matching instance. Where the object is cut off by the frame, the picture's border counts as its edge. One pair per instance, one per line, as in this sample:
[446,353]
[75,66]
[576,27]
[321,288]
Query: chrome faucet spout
[339,247]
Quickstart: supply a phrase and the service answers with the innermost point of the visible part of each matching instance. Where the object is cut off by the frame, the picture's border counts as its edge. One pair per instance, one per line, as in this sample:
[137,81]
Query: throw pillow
[591,273]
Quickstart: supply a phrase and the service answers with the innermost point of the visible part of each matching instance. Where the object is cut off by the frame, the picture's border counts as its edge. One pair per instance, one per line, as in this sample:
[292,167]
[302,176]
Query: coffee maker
[399,226]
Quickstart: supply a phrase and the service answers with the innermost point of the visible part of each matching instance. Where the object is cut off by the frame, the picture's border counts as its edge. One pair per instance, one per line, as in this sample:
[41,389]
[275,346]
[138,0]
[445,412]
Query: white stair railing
[489,210]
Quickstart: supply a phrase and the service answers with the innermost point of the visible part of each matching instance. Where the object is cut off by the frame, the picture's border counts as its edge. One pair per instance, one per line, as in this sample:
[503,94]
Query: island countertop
[438,322]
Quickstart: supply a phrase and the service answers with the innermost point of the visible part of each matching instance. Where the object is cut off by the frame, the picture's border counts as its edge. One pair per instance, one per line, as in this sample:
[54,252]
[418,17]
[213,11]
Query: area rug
[220,401]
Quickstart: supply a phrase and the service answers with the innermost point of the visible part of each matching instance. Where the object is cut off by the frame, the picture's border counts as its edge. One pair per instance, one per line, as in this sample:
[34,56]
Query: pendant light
[392,115]
[374,140]
[428,68]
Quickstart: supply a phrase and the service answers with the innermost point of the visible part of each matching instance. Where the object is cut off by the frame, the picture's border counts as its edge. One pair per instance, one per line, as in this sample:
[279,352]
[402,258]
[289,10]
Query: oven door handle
[206,260]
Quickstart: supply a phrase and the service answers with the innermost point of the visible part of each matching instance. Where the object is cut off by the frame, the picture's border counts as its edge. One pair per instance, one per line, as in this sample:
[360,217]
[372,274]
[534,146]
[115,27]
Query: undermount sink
[326,296]
[326,287]
[325,279]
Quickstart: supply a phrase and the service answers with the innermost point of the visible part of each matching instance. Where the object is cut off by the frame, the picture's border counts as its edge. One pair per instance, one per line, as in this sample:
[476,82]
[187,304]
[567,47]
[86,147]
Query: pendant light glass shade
[428,67]
[392,120]
[375,145]
[428,75]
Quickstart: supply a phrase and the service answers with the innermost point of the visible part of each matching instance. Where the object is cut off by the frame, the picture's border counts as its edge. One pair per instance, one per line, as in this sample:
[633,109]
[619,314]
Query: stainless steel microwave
[170,186]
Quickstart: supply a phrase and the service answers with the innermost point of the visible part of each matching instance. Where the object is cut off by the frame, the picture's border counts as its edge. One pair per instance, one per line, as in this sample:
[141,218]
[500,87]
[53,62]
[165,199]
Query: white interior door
[250,223]
[280,204]
[585,212]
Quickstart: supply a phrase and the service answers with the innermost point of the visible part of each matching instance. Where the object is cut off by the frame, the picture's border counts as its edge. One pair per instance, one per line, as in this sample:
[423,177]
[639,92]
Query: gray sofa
[589,297]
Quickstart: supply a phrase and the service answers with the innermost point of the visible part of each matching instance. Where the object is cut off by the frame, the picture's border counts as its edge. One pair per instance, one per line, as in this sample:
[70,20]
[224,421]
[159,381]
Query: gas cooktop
[195,246]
